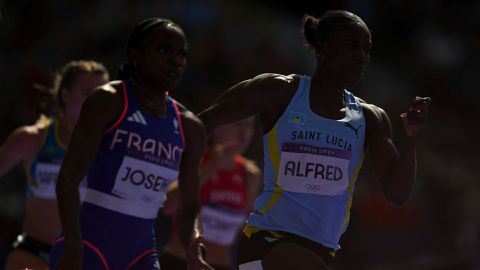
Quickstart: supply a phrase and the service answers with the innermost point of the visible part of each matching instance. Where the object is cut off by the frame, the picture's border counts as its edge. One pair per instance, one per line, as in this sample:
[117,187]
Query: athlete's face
[163,58]
[82,86]
[346,53]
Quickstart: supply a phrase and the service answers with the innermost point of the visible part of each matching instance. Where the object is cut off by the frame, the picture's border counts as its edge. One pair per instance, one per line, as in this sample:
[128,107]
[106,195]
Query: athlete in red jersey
[229,185]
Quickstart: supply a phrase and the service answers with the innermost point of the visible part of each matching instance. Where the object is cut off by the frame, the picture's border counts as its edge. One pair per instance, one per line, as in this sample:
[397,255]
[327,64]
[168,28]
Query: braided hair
[318,29]
[137,39]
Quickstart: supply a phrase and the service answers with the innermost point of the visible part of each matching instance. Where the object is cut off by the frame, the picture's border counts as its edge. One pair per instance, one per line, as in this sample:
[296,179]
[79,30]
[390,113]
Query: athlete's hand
[195,256]
[414,119]
[72,259]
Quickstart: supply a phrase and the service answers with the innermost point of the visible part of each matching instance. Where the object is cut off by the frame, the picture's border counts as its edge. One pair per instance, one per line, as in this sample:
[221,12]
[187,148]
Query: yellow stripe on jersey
[249,230]
[274,153]
[353,179]
[28,167]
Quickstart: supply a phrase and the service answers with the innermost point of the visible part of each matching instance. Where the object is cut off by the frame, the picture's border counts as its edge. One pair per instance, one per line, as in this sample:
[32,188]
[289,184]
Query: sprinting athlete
[316,137]
[132,140]
[41,148]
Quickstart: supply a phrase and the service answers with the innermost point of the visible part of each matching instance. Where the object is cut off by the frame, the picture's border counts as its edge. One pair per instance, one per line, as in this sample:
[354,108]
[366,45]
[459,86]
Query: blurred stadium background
[426,48]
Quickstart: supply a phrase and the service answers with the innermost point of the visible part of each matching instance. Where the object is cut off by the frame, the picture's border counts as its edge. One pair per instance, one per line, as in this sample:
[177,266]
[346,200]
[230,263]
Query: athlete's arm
[206,170]
[395,170]
[188,188]
[99,111]
[188,180]
[170,204]
[20,144]
[266,93]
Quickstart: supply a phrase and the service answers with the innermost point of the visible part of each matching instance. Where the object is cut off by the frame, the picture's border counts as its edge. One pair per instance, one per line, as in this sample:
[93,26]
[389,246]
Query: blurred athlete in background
[41,148]
[229,186]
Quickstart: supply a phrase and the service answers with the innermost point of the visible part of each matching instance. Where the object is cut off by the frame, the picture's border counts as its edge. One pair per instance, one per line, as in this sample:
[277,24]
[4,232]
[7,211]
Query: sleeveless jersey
[224,203]
[43,169]
[311,165]
[138,158]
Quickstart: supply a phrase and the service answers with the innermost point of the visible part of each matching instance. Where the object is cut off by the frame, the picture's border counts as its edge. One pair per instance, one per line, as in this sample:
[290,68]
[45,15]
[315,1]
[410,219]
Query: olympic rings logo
[313,188]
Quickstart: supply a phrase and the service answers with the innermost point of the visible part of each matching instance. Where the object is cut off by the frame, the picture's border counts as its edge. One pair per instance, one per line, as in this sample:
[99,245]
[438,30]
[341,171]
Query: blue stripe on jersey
[311,165]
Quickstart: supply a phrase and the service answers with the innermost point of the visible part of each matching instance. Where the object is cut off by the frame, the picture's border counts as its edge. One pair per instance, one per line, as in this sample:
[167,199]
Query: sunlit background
[425,48]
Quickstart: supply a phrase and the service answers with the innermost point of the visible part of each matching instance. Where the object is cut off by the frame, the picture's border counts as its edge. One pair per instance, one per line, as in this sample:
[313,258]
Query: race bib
[143,182]
[315,170]
[220,226]
[46,175]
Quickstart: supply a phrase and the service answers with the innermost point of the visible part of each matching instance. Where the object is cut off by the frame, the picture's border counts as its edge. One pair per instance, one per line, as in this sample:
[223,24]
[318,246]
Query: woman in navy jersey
[41,148]
[132,140]
[316,136]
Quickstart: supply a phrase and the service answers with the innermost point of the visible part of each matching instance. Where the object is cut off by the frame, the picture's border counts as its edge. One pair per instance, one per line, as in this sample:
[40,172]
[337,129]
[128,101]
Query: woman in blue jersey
[41,148]
[132,140]
[316,136]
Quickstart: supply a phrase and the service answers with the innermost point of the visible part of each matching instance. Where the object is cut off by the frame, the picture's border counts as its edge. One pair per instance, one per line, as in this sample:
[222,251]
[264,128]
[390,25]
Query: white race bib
[318,171]
[220,226]
[142,182]
[46,175]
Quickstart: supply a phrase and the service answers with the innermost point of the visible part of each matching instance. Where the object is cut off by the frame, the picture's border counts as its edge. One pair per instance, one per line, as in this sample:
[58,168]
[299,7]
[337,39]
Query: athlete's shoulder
[27,133]
[28,138]
[194,133]
[21,145]
[110,88]
[189,118]
[191,122]
[275,79]
[42,124]
[271,90]
[372,110]
[107,93]
[105,103]
[182,108]
[38,129]
[377,120]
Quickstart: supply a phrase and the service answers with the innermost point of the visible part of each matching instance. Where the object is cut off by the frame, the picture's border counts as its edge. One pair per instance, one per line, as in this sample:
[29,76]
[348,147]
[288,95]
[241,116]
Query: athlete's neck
[150,100]
[327,90]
